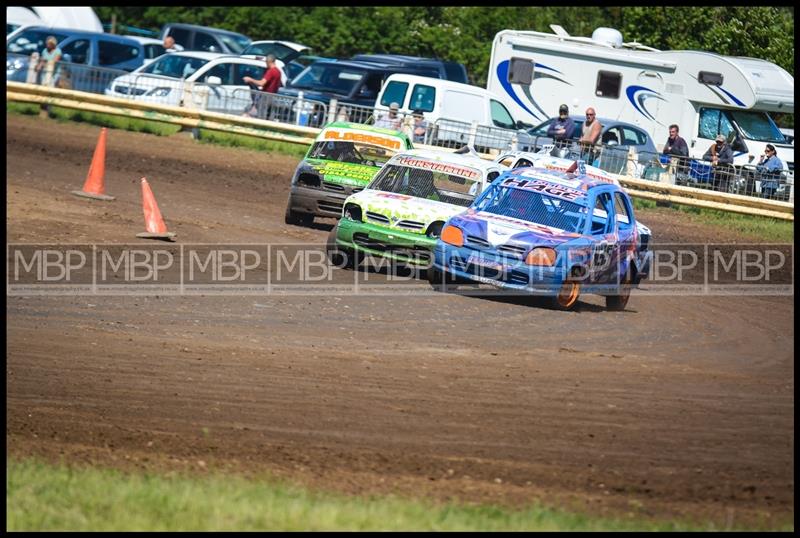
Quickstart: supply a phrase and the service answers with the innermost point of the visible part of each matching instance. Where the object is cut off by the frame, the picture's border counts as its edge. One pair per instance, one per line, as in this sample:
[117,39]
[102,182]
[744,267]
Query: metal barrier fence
[62,74]
[747,180]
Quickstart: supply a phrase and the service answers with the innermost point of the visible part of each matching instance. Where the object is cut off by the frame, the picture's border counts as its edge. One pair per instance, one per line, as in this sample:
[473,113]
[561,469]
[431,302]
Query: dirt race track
[677,407]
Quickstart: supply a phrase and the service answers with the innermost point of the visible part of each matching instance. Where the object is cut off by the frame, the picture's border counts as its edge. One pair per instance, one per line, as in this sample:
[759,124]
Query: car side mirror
[213,80]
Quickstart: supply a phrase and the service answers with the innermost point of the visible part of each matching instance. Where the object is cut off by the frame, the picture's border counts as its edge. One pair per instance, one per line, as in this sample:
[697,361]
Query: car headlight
[352,212]
[453,236]
[541,256]
[160,92]
[309,180]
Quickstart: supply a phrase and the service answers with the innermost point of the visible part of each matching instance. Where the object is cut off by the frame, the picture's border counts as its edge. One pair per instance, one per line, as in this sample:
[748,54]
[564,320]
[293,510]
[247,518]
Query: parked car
[292,55]
[447,70]
[153,48]
[549,233]
[342,160]
[205,38]
[450,108]
[164,80]
[82,53]
[401,212]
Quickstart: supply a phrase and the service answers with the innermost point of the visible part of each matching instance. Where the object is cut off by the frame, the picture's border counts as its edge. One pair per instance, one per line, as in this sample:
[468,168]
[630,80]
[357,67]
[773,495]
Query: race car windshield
[428,184]
[534,207]
[350,152]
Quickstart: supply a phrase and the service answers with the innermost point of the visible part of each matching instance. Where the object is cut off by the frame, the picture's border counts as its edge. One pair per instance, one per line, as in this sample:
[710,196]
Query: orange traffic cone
[153,223]
[94,187]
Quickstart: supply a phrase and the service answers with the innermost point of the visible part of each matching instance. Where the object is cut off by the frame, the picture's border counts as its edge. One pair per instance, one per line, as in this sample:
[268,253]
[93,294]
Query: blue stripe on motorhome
[502,75]
[729,94]
[631,91]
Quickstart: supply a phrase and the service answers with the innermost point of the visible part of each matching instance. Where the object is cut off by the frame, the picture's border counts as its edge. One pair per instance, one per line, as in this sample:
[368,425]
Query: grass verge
[762,228]
[43,497]
[114,122]
[235,140]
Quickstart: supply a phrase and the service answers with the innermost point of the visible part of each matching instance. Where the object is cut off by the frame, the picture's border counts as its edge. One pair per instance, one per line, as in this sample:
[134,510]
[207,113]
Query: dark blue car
[546,232]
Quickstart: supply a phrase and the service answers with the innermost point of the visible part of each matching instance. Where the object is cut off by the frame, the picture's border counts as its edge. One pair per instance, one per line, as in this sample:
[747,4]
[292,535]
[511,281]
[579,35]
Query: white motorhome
[702,92]
[78,18]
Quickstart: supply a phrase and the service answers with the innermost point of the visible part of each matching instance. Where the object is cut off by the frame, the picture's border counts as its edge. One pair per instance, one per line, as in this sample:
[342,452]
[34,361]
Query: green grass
[114,122]
[56,497]
[762,228]
[22,108]
[236,140]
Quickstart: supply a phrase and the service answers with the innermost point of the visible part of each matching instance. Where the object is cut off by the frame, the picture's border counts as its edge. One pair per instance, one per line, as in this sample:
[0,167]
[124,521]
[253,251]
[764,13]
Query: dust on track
[678,407]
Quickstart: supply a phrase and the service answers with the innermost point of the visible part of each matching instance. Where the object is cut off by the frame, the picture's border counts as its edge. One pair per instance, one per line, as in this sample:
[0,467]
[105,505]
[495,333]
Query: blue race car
[547,232]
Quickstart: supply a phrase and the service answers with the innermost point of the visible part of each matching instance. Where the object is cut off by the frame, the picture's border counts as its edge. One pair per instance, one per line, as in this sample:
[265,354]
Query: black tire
[567,296]
[341,257]
[439,281]
[617,303]
[297,218]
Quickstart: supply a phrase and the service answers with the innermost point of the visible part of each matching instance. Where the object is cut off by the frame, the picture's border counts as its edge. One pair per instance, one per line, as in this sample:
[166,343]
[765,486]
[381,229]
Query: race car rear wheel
[567,296]
[340,257]
[617,303]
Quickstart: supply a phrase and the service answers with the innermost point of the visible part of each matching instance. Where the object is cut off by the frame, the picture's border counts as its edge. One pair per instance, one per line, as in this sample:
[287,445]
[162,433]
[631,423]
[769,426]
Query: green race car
[401,212]
[341,161]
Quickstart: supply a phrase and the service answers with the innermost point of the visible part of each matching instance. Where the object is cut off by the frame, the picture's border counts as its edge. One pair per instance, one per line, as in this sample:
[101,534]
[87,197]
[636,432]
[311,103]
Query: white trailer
[702,92]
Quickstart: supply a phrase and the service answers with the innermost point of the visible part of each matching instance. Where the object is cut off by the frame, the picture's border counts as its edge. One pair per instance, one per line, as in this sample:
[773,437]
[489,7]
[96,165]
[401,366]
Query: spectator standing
[51,53]
[269,83]
[720,155]
[420,126]
[390,120]
[590,134]
[562,128]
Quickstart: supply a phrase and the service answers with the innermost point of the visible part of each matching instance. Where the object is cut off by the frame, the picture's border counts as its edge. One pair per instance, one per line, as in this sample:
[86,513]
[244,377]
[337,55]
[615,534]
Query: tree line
[465,34]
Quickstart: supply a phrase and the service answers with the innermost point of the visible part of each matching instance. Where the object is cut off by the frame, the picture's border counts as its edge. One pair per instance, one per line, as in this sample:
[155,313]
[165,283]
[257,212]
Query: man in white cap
[721,156]
[390,120]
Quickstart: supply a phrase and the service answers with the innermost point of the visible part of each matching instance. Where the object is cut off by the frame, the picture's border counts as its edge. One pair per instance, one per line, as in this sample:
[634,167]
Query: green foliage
[251,142]
[113,122]
[45,497]
[465,34]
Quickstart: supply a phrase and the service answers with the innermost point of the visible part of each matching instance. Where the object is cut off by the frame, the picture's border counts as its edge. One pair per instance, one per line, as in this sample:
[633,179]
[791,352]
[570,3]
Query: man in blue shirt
[562,127]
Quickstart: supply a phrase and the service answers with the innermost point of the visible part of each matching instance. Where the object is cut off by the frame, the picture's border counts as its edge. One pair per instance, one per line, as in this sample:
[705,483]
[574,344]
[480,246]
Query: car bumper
[317,202]
[399,246]
[465,263]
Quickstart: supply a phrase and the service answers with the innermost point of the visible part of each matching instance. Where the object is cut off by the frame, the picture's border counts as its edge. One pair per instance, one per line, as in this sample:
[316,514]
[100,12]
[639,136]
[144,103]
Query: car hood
[146,81]
[399,207]
[342,173]
[501,230]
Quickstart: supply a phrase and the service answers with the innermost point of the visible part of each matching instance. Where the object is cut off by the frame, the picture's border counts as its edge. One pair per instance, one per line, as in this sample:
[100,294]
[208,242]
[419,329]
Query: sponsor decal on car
[347,173]
[547,186]
[366,138]
[426,164]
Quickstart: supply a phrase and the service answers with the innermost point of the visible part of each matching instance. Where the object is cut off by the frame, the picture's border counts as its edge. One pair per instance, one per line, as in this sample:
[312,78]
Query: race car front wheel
[296,218]
[567,296]
[340,257]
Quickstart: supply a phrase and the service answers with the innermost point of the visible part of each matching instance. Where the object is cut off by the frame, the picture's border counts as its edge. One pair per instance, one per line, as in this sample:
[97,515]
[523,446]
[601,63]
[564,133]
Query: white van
[453,107]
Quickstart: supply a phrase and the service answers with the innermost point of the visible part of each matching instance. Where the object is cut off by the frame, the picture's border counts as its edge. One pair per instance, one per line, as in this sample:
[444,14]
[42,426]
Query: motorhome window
[180,35]
[520,71]
[422,98]
[31,41]
[713,121]
[76,52]
[111,53]
[204,41]
[757,126]
[712,79]
[608,84]
[175,66]
[395,92]
[500,115]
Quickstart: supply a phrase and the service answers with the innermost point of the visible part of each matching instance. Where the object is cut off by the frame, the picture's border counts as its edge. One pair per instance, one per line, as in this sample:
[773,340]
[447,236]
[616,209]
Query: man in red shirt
[270,83]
